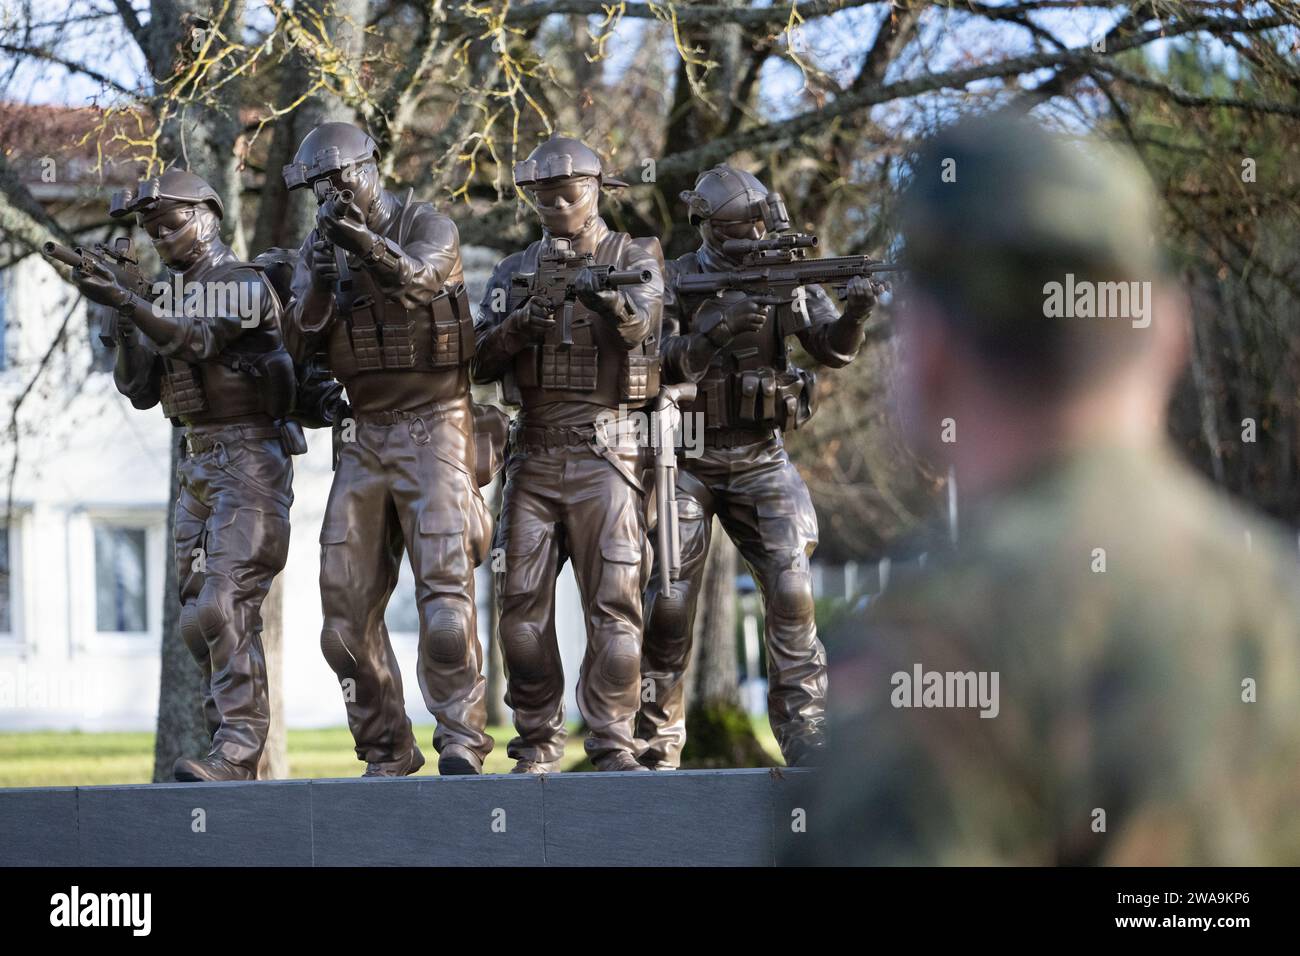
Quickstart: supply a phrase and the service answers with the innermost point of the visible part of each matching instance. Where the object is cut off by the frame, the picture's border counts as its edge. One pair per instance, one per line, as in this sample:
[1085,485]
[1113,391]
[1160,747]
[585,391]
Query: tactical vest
[378,334]
[597,367]
[752,383]
[259,354]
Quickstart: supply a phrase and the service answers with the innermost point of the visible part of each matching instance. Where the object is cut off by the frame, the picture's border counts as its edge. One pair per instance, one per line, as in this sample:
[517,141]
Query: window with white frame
[121,578]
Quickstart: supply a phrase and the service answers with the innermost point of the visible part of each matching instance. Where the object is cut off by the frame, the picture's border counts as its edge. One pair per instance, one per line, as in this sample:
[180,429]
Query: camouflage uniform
[1119,690]
[1145,633]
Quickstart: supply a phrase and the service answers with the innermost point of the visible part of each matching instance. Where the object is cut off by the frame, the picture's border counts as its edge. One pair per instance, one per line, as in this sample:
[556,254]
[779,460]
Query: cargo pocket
[622,576]
[777,524]
[333,530]
[690,529]
[443,560]
[526,553]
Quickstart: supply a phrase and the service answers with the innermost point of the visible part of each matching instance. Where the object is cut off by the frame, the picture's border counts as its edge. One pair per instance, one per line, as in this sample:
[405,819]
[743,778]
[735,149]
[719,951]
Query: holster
[491,431]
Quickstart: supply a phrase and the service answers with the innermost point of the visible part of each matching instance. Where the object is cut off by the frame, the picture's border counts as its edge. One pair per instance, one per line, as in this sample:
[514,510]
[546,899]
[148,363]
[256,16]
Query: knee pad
[446,626]
[621,662]
[211,610]
[521,646]
[337,654]
[792,598]
[192,633]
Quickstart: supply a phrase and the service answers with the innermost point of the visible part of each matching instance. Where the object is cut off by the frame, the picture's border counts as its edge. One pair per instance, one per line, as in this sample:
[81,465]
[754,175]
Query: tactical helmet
[328,148]
[174,185]
[726,194]
[562,157]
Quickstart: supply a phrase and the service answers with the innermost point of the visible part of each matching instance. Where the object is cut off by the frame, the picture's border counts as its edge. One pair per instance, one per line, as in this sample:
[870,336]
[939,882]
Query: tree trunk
[283,217]
[181,731]
[202,140]
[718,731]
[274,764]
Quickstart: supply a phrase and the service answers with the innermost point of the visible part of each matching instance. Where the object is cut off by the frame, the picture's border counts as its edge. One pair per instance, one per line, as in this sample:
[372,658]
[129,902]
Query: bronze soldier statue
[571,326]
[379,285]
[733,345]
[209,349]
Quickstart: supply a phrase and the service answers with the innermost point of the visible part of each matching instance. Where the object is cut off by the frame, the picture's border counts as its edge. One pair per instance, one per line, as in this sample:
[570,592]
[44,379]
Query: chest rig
[751,382]
[582,358]
[379,334]
[259,357]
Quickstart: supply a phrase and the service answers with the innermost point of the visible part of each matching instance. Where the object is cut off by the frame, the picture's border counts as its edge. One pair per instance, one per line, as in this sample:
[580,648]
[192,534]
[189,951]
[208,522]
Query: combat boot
[403,766]
[533,766]
[458,761]
[618,760]
[213,768]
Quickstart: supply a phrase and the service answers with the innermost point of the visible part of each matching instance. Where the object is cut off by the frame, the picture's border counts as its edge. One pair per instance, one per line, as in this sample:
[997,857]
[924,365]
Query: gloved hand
[604,303]
[101,287]
[533,319]
[860,296]
[324,265]
[746,315]
[341,223]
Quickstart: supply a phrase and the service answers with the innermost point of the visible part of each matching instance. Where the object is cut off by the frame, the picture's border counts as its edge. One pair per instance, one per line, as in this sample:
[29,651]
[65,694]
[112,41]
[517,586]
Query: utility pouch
[638,380]
[292,440]
[570,369]
[399,341]
[747,396]
[453,328]
[182,393]
[365,335]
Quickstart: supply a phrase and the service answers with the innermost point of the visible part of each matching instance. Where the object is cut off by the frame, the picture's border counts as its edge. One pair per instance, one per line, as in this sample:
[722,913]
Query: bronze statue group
[367,330]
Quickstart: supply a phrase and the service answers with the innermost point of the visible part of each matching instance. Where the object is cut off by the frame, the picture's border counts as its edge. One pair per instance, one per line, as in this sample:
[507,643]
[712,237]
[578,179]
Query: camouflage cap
[998,205]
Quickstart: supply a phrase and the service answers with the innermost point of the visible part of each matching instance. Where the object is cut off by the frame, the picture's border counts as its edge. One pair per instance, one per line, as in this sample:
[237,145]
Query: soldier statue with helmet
[733,345]
[379,296]
[570,326]
[210,350]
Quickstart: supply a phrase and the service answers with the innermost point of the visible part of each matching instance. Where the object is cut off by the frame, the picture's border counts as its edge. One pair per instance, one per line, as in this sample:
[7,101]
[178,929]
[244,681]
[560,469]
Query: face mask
[564,218]
[185,246]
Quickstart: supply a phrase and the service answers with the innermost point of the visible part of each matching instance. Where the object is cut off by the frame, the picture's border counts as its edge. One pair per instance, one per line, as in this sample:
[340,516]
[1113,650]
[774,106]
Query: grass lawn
[70,758]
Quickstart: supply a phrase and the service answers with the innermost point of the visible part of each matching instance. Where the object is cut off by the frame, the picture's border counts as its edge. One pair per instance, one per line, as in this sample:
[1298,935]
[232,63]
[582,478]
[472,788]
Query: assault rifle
[117,262]
[558,267]
[340,199]
[777,269]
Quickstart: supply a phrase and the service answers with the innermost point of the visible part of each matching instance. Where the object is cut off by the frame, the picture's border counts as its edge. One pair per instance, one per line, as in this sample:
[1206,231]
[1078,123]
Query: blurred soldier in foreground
[732,342]
[1106,670]
[210,350]
[379,286]
[571,328]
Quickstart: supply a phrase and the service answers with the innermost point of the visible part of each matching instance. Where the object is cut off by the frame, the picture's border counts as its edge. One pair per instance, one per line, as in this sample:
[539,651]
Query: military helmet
[174,185]
[728,194]
[562,157]
[328,148]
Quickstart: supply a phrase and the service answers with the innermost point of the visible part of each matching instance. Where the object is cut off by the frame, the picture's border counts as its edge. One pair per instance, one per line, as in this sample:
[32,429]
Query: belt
[736,437]
[556,437]
[395,416]
[199,442]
